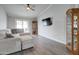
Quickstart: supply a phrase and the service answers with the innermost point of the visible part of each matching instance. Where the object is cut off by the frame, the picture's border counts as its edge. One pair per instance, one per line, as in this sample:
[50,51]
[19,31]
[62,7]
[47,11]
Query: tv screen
[47,21]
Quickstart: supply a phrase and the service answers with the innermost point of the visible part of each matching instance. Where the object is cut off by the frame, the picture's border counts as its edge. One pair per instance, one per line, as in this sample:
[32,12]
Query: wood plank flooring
[44,46]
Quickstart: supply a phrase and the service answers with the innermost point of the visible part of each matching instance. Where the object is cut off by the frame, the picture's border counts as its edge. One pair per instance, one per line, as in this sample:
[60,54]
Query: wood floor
[44,46]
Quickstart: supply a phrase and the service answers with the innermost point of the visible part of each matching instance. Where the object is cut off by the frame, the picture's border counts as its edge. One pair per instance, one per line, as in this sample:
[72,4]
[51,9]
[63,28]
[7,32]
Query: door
[34,27]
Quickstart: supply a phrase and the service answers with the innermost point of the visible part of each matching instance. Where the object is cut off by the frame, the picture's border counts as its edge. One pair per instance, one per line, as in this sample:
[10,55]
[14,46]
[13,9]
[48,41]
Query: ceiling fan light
[28,8]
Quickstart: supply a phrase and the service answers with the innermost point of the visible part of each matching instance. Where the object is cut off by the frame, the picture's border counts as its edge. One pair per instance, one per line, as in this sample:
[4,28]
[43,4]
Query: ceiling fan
[29,7]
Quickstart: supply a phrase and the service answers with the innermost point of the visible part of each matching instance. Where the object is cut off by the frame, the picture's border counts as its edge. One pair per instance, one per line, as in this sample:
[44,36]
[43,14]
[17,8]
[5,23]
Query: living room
[26,25]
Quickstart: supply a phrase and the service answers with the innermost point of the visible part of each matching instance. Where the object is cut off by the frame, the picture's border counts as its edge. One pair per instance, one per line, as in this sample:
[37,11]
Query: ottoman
[26,42]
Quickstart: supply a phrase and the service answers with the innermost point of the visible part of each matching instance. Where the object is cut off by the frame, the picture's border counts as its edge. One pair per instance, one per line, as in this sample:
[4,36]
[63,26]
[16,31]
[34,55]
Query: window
[19,24]
[22,24]
[25,26]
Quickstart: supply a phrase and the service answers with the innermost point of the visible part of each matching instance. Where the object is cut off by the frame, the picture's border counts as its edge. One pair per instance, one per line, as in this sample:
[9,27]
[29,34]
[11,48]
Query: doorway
[34,28]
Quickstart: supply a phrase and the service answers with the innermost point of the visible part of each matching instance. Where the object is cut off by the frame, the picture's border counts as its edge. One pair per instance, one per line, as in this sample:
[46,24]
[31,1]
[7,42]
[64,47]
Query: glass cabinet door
[75,32]
[69,31]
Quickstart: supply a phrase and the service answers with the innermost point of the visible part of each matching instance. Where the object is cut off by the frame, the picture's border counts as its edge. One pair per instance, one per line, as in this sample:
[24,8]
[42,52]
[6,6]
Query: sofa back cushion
[17,31]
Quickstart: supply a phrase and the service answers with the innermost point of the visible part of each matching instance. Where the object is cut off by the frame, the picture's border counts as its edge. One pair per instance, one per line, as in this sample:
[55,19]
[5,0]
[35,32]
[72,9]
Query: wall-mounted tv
[47,21]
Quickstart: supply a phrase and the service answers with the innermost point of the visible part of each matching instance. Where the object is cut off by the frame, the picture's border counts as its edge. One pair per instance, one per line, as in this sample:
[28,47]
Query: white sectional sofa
[15,44]
[9,45]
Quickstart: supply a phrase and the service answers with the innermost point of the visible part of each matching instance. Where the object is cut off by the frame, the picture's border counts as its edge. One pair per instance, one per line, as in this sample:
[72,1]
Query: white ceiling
[18,10]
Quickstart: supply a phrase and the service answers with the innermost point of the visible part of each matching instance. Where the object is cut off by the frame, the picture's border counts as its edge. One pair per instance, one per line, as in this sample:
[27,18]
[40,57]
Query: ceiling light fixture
[29,7]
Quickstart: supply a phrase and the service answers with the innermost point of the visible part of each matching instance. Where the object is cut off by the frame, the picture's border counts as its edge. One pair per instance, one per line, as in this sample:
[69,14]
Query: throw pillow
[8,35]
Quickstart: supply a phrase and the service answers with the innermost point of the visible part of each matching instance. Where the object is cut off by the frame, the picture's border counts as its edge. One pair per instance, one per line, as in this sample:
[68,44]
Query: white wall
[57,31]
[3,19]
[11,22]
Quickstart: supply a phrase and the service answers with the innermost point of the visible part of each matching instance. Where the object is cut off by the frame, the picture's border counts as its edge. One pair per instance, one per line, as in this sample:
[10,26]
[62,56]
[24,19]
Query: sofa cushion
[23,34]
[27,37]
[15,35]
[2,35]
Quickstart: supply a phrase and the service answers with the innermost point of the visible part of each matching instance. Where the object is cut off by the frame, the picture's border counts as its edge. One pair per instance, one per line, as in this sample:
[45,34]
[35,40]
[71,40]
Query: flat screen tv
[47,21]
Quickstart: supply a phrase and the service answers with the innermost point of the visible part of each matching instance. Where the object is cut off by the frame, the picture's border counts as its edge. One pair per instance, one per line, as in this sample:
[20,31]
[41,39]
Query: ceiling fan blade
[33,9]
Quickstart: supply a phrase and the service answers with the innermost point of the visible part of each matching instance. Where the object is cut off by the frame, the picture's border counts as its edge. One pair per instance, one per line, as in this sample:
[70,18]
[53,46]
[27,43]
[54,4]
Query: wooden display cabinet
[72,30]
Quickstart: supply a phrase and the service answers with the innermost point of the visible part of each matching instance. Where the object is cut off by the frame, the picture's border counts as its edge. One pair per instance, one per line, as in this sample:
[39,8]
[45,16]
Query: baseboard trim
[53,40]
